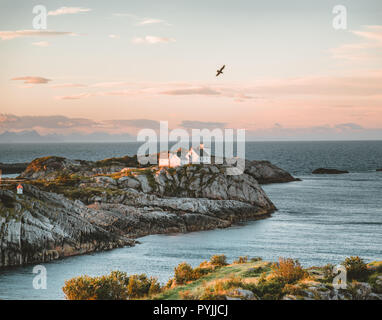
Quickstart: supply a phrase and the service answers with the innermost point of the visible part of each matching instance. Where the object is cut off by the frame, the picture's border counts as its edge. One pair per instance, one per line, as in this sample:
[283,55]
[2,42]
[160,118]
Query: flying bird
[220,71]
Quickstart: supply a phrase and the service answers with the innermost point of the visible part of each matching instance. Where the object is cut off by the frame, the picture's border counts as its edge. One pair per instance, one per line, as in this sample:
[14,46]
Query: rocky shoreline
[72,207]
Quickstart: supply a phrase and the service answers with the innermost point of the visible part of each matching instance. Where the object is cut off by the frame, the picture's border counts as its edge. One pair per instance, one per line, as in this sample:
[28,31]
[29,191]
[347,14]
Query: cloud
[41,44]
[136,123]
[68,10]
[32,80]
[192,91]
[74,96]
[142,21]
[63,124]
[114,36]
[361,51]
[344,131]
[8,35]
[372,33]
[68,85]
[202,124]
[152,40]
[8,122]
[149,21]
[348,126]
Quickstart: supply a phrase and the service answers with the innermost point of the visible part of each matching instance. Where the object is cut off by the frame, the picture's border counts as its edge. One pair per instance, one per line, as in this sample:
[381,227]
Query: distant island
[71,207]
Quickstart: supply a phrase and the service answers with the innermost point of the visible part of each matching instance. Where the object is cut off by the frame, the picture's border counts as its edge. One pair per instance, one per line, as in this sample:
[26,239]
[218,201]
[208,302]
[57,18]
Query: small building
[169,160]
[205,154]
[20,189]
[174,160]
[163,159]
[192,156]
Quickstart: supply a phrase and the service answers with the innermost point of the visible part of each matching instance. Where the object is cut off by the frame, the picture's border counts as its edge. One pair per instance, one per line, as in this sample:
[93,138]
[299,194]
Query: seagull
[220,71]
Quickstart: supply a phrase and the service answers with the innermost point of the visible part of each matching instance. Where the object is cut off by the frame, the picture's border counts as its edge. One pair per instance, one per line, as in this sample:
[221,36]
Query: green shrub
[375,281]
[271,289]
[97,288]
[116,286]
[356,268]
[328,273]
[241,260]
[289,270]
[256,259]
[219,260]
[183,273]
[202,271]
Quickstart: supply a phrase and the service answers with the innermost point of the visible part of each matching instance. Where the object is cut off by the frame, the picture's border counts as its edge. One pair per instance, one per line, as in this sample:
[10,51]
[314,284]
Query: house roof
[19,186]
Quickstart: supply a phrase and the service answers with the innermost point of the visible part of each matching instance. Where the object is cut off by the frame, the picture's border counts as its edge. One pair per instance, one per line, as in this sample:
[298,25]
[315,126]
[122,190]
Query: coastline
[67,210]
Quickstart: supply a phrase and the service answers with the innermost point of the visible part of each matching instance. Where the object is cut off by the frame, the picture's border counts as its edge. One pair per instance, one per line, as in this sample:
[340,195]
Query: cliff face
[73,207]
[40,226]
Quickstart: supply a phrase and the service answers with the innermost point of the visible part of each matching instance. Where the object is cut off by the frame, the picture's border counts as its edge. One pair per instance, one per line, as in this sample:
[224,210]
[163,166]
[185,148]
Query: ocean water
[320,220]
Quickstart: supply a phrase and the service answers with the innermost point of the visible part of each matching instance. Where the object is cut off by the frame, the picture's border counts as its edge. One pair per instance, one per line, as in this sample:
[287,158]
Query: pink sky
[93,78]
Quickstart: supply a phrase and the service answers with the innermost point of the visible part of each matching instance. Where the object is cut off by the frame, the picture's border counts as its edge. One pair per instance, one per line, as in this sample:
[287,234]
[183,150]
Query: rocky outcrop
[12,168]
[50,168]
[40,226]
[73,207]
[265,172]
[329,171]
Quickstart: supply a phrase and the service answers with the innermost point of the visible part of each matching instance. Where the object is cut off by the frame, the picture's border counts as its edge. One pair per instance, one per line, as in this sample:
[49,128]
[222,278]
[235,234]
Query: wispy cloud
[74,96]
[192,91]
[149,21]
[68,85]
[152,40]
[136,123]
[68,10]
[114,36]
[32,80]
[8,35]
[141,21]
[64,124]
[189,124]
[361,51]
[41,44]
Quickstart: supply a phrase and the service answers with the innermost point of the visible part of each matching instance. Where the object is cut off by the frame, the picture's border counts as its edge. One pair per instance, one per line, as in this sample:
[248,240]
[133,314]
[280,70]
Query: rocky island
[329,171]
[70,207]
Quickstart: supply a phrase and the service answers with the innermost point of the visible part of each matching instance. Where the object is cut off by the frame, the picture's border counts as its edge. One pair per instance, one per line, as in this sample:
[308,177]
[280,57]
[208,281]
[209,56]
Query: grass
[222,273]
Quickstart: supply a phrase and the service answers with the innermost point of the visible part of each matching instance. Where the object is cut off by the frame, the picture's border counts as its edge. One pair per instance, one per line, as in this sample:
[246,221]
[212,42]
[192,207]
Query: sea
[320,219]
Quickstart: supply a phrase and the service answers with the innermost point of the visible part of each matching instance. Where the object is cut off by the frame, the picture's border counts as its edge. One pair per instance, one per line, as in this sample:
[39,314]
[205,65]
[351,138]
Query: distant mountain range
[34,136]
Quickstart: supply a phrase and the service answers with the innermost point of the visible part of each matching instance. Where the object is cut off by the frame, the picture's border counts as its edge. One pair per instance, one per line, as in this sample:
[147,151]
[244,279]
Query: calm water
[320,219]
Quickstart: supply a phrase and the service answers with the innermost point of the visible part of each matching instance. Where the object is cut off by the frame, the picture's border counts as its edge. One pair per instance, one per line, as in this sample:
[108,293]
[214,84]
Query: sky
[118,66]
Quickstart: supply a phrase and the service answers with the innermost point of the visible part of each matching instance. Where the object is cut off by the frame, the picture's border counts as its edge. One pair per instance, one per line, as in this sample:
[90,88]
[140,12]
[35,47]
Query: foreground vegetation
[244,279]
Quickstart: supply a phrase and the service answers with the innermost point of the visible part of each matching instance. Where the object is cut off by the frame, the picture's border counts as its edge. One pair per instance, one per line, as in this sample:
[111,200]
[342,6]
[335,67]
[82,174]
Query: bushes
[288,270]
[356,268]
[241,260]
[269,289]
[183,273]
[116,286]
[219,260]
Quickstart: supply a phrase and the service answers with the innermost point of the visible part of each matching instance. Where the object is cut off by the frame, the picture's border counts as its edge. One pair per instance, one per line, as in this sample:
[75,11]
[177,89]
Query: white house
[192,156]
[174,160]
[167,159]
[205,154]
[163,159]
[182,157]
